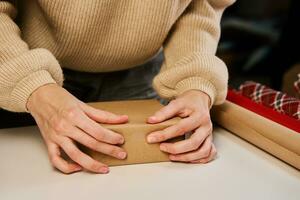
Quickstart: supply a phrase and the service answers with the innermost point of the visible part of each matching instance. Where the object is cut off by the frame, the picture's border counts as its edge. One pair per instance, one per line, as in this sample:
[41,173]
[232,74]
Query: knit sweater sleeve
[190,61]
[22,70]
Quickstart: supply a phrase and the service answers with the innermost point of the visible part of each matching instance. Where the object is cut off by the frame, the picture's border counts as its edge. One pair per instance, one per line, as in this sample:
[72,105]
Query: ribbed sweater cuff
[26,86]
[197,83]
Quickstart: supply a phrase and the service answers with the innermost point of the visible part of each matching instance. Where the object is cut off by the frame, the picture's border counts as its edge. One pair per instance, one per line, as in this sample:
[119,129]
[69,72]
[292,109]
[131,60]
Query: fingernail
[151,139]
[104,170]
[163,148]
[172,157]
[124,116]
[121,141]
[122,155]
[77,168]
[152,118]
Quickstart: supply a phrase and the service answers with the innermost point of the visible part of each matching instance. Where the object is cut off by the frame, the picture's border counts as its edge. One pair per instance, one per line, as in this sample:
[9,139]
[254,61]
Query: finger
[202,152]
[184,125]
[111,150]
[82,159]
[211,156]
[97,131]
[191,144]
[58,162]
[104,116]
[166,112]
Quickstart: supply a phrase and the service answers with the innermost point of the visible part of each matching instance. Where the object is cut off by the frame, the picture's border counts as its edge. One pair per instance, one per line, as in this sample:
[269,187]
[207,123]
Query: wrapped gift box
[134,132]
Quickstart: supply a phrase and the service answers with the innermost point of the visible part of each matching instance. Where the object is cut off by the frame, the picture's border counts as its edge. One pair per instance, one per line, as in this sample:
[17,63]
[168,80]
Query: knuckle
[205,152]
[214,151]
[184,113]
[92,144]
[209,133]
[88,127]
[195,143]
[67,170]
[198,116]
[113,151]
[171,149]
[53,160]
[105,118]
[59,125]
[185,158]
[64,169]
[192,123]
[181,129]
[210,126]
[95,130]
[161,137]
[208,122]
[70,113]
[74,155]
[94,166]
[53,137]
[100,135]
[189,158]
[214,155]
[205,117]
[204,161]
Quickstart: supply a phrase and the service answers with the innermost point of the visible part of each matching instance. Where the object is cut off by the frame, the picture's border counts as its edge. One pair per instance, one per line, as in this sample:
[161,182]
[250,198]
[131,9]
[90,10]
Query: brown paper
[270,136]
[134,132]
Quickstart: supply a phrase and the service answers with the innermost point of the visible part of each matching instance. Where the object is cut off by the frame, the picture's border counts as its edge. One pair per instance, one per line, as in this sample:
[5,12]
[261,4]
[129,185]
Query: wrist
[38,94]
[204,97]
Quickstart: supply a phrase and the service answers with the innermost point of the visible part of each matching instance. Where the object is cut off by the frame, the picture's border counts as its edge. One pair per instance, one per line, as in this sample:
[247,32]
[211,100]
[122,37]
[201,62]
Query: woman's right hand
[64,120]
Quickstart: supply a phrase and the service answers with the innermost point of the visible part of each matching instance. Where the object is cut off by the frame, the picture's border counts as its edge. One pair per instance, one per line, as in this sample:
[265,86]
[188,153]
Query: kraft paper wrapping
[272,137]
[134,132]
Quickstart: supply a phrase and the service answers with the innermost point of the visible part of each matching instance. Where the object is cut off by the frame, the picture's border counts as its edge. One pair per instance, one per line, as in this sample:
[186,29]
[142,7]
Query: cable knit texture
[38,37]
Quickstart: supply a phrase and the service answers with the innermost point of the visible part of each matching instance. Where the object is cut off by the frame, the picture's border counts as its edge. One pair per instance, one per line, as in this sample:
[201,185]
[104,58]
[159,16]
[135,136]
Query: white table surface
[241,171]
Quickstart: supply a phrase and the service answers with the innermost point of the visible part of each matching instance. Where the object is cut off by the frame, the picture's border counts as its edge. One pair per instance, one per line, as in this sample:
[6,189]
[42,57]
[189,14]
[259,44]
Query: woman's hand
[193,106]
[64,120]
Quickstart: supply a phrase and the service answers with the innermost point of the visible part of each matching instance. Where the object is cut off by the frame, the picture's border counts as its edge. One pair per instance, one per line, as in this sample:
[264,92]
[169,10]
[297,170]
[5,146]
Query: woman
[107,50]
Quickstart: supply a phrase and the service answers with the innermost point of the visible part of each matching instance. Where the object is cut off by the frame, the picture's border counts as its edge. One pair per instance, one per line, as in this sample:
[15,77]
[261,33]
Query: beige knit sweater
[38,37]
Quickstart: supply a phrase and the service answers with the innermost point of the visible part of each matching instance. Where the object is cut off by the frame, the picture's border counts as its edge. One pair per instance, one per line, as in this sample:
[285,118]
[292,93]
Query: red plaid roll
[276,100]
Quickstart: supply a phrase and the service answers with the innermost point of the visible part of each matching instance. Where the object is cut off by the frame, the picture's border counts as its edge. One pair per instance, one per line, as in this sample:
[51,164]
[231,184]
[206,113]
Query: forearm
[190,61]
[22,70]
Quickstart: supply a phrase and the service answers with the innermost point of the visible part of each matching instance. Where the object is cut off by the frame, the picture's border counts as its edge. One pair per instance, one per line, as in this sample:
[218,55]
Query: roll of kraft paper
[134,132]
[279,139]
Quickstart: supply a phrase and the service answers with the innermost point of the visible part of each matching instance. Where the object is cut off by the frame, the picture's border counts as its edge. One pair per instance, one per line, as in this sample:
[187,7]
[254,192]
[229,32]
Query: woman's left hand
[193,107]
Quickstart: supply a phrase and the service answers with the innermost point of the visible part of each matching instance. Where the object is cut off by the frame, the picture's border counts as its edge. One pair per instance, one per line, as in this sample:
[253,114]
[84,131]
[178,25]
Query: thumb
[165,113]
